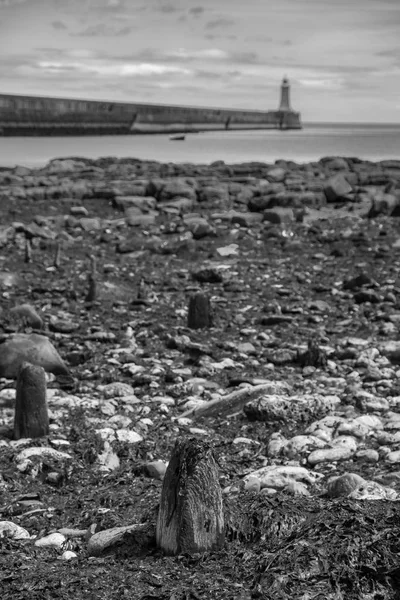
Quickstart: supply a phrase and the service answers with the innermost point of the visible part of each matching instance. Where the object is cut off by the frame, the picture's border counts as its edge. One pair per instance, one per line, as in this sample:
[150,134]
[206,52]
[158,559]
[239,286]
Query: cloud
[104,69]
[220,22]
[196,10]
[59,25]
[6,3]
[167,8]
[104,30]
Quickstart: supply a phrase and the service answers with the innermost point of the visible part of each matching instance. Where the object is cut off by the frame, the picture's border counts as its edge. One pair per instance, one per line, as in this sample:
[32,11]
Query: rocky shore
[99,258]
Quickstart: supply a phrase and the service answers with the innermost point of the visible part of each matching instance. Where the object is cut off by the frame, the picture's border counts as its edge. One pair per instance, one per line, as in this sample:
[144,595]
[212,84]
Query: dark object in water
[177,138]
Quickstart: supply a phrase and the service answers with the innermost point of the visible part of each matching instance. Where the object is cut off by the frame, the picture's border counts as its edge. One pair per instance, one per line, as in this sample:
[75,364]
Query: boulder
[26,314]
[199,227]
[276,174]
[337,188]
[246,219]
[34,348]
[135,219]
[143,203]
[217,196]
[278,215]
[385,204]
[260,203]
[177,188]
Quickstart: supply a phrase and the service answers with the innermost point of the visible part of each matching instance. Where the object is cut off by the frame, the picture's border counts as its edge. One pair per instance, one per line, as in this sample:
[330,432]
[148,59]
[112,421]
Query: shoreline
[234,147]
[153,190]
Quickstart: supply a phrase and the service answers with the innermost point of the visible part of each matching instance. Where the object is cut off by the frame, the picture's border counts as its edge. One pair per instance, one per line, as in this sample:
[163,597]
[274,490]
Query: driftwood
[190,518]
[31,418]
[233,402]
[199,313]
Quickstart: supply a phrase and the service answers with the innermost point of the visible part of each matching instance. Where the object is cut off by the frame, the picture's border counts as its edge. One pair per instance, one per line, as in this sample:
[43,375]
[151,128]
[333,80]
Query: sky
[342,57]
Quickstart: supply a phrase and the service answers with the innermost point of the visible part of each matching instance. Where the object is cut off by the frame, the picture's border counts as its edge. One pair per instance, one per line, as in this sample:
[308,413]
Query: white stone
[68,555]
[288,471]
[128,435]
[12,530]
[42,452]
[54,540]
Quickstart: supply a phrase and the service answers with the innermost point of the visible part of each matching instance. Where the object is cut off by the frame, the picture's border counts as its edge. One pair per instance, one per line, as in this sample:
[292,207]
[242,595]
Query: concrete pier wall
[31,115]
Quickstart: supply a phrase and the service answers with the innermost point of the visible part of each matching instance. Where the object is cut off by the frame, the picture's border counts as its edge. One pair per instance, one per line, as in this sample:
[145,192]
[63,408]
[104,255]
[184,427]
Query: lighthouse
[286,117]
[285,95]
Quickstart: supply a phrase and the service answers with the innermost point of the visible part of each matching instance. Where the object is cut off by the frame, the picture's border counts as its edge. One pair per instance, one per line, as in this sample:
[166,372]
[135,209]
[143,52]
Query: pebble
[156,469]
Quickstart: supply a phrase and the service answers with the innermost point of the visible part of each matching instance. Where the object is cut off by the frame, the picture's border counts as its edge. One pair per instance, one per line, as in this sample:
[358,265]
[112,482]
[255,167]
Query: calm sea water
[373,142]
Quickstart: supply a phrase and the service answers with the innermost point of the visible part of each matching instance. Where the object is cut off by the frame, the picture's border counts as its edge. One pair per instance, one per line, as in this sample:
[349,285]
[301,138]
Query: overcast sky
[342,56]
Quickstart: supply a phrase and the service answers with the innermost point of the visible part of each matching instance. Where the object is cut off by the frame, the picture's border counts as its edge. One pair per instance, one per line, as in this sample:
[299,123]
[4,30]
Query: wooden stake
[31,418]
[28,250]
[57,257]
[92,291]
[199,315]
[190,517]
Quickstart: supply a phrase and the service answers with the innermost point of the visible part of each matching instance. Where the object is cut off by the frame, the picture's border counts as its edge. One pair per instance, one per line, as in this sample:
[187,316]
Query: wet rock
[33,348]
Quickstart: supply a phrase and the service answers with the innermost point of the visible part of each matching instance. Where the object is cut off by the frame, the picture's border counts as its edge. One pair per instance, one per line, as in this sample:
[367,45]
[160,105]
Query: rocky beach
[292,378]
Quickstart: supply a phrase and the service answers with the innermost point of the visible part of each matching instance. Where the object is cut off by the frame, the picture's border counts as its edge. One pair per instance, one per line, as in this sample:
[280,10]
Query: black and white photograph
[200,300]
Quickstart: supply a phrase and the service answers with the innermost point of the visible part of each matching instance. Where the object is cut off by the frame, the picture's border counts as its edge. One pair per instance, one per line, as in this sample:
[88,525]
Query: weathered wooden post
[190,518]
[28,250]
[314,356]
[199,313]
[57,256]
[31,418]
[92,289]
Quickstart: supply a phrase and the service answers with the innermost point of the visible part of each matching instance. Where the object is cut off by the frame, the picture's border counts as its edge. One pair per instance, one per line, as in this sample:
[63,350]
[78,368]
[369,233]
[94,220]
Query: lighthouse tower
[285,95]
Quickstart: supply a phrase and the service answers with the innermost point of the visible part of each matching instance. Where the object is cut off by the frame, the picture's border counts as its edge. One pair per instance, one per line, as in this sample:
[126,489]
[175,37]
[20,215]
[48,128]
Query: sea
[366,141]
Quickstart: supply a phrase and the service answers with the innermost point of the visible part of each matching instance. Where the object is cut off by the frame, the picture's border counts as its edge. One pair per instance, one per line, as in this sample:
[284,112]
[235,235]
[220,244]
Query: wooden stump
[314,356]
[31,417]
[199,315]
[190,517]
